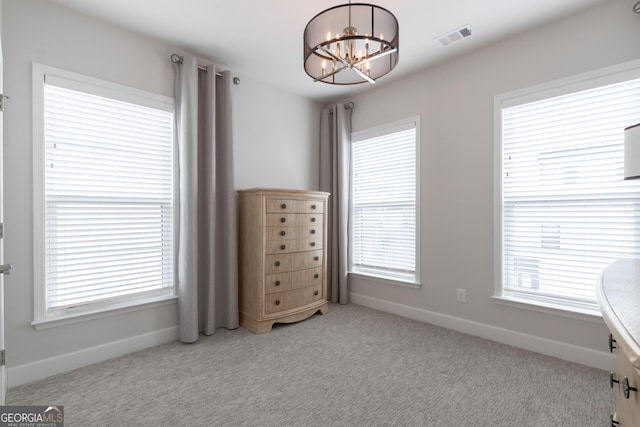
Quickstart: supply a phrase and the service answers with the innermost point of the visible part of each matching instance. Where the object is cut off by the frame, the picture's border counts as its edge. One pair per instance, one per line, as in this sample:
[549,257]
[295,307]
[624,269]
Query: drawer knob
[626,388]
[315,276]
[277,282]
[277,302]
[277,263]
[611,343]
[313,219]
[283,206]
[316,293]
[612,379]
[316,258]
[283,247]
[313,231]
[313,244]
[283,233]
[313,206]
[283,219]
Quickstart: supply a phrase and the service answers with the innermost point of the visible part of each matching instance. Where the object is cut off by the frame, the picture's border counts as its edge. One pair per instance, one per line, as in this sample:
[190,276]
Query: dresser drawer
[293,219]
[292,233]
[628,409]
[281,263]
[282,301]
[292,280]
[294,206]
[288,246]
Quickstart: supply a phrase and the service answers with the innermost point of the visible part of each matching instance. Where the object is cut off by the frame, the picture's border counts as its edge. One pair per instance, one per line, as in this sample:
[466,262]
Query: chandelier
[351,44]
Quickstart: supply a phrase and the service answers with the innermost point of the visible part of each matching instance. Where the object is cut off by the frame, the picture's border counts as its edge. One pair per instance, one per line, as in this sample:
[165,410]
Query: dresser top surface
[281,192]
[619,299]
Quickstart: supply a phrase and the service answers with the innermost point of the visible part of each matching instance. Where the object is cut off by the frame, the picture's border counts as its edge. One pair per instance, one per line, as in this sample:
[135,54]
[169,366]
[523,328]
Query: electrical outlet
[461,295]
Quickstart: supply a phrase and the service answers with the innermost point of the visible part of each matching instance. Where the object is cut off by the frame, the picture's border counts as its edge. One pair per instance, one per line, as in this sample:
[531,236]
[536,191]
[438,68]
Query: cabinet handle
[316,293]
[277,263]
[283,247]
[612,379]
[313,231]
[277,302]
[313,206]
[614,423]
[283,219]
[611,343]
[277,282]
[283,233]
[313,244]
[315,276]
[283,206]
[626,388]
[313,219]
[5,268]
[315,258]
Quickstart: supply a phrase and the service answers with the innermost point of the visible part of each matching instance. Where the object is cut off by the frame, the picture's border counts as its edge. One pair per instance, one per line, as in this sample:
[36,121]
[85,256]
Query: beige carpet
[352,367]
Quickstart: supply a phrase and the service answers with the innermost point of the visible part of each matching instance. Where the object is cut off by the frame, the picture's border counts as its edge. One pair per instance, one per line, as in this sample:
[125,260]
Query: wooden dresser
[282,257]
[619,298]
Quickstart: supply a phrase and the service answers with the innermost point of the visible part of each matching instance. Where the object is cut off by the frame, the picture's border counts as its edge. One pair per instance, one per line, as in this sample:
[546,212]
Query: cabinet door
[627,409]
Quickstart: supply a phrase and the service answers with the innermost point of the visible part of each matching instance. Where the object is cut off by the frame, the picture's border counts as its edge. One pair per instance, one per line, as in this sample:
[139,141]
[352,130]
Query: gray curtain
[207,225]
[335,164]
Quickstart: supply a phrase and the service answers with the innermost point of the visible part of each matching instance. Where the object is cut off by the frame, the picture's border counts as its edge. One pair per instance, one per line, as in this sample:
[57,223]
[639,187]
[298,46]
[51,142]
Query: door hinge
[1,230]
[1,357]
[2,98]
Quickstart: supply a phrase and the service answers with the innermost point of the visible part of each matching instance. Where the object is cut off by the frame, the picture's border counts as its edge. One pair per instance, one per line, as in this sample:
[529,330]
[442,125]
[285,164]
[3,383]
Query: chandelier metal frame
[351,44]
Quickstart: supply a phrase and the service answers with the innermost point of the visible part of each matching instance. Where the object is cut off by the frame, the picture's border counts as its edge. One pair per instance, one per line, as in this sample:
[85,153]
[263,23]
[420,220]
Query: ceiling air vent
[454,36]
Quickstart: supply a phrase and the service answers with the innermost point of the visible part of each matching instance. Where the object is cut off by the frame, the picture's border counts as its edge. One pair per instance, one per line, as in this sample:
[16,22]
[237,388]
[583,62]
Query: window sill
[386,280]
[72,317]
[549,308]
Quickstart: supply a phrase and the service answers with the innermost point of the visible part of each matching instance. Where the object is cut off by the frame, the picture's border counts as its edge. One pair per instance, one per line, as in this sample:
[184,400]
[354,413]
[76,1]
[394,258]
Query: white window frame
[75,81]
[373,132]
[606,76]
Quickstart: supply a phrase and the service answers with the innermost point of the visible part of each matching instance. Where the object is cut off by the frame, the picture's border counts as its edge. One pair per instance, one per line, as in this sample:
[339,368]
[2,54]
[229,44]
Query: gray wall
[276,146]
[275,142]
[455,102]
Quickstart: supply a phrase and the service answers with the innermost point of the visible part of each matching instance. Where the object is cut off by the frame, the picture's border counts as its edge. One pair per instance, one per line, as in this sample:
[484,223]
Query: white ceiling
[263,38]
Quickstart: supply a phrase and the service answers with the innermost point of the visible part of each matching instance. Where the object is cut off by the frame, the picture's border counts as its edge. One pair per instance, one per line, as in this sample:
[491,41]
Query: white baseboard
[22,374]
[570,352]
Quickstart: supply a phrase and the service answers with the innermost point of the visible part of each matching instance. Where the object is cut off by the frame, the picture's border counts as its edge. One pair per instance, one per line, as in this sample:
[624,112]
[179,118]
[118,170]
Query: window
[384,202]
[566,212]
[103,195]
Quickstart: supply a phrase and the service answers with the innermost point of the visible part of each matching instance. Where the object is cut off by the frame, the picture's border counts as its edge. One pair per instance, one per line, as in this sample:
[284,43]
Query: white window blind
[108,198]
[384,205]
[566,210]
